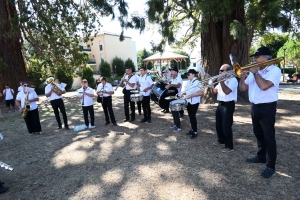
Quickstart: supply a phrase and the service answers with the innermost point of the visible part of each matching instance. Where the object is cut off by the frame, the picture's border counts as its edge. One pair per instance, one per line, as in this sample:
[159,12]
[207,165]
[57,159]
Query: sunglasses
[25,85]
[84,82]
[222,70]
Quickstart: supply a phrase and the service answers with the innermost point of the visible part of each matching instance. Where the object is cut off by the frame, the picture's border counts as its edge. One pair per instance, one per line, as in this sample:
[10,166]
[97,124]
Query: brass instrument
[239,70]
[56,88]
[26,106]
[121,82]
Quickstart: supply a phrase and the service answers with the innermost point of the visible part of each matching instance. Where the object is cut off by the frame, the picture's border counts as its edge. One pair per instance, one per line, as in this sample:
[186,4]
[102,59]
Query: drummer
[176,82]
[193,96]
[145,85]
[166,77]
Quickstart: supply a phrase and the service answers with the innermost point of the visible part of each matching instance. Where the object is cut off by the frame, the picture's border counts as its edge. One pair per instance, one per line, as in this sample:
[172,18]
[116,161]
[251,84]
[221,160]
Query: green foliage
[64,77]
[292,52]
[129,63]
[141,55]
[36,74]
[118,66]
[105,69]
[87,73]
[183,64]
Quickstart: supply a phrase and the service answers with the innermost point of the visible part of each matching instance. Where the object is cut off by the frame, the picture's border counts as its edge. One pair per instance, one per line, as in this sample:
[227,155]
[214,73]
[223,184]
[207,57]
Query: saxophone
[26,107]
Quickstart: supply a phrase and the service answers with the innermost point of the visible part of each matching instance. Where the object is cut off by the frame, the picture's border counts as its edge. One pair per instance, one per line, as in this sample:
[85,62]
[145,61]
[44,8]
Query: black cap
[6,84]
[192,71]
[262,51]
[174,68]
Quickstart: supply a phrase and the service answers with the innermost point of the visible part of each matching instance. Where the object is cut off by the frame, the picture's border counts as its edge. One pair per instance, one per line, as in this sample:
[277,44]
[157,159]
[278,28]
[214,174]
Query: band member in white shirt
[9,98]
[32,118]
[176,82]
[227,96]
[105,90]
[86,96]
[20,88]
[57,102]
[193,95]
[130,83]
[263,85]
[145,85]
[166,77]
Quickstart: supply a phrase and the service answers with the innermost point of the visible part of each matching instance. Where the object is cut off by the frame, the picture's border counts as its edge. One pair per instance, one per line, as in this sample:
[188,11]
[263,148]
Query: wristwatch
[255,73]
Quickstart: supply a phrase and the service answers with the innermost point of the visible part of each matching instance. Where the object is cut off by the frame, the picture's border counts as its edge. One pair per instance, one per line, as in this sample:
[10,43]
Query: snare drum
[178,105]
[136,97]
[159,93]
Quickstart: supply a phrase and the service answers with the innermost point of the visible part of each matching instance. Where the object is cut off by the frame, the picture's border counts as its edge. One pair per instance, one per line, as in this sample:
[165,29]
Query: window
[194,64]
[101,46]
[102,57]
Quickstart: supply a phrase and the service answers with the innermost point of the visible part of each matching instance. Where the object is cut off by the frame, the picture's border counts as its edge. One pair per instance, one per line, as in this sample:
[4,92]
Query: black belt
[226,101]
[264,104]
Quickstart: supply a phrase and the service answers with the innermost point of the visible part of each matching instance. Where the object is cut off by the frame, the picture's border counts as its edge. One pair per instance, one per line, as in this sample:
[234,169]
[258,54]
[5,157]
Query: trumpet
[121,82]
[56,88]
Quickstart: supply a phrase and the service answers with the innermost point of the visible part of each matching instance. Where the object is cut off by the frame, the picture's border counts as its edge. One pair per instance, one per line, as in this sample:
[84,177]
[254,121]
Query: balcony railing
[92,61]
[85,49]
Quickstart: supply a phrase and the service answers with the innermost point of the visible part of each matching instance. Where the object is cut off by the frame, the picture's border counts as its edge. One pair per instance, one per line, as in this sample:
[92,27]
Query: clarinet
[121,82]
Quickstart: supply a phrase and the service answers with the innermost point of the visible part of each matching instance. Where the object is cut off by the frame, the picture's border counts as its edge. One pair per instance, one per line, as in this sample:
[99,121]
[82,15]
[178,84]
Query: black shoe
[166,111]
[67,128]
[255,160]
[143,120]
[115,124]
[163,111]
[193,135]
[106,123]
[58,128]
[190,132]
[132,119]
[268,173]
[140,113]
[3,189]
[149,120]
[181,116]
[126,120]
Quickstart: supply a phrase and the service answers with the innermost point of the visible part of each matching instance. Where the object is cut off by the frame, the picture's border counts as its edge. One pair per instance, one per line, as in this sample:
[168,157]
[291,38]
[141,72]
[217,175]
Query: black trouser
[126,105]
[176,118]
[59,104]
[224,121]
[139,105]
[32,121]
[192,110]
[107,107]
[263,121]
[146,107]
[86,110]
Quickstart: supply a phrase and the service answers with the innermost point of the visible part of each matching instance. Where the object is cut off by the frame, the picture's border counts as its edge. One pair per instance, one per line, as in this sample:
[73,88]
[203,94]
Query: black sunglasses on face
[25,85]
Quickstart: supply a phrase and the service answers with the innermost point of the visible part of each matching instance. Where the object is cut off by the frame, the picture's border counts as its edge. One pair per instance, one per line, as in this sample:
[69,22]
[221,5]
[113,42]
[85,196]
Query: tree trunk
[217,44]
[12,65]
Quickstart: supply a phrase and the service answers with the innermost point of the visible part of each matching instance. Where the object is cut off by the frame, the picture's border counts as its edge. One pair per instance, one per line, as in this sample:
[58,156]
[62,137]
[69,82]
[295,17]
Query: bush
[64,75]
[129,64]
[87,73]
[118,66]
[105,69]
[36,81]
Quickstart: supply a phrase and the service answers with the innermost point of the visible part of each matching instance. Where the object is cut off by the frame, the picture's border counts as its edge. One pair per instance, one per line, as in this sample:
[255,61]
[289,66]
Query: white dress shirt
[256,95]
[21,96]
[53,95]
[194,85]
[232,83]
[88,101]
[145,82]
[107,87]
[177,80]
[8,94]
[133,79]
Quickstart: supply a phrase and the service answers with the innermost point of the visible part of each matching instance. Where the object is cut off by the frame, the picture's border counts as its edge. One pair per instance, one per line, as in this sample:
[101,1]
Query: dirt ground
[147,161]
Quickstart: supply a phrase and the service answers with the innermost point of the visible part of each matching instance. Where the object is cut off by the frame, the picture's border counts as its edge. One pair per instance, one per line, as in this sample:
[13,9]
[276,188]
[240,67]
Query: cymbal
[170,98]
[134,91]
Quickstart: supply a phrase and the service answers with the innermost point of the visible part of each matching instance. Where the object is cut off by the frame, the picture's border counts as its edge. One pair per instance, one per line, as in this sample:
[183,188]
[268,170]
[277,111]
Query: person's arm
[243,86]
[12,91]
[225,88]
[196,94]
[262,83]
[35,98]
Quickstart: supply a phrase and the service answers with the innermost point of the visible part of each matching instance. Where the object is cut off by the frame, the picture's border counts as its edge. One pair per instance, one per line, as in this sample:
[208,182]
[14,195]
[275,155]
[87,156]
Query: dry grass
[147,161]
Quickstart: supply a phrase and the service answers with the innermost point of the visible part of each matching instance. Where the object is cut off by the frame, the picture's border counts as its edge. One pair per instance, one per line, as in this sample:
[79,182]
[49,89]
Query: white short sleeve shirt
[107,87]
[256,95]
[232,83]
[21,96]
[177,80]
[132,79]
[194,85]
[53,95]
[8,94]
[145,81]
[87,101]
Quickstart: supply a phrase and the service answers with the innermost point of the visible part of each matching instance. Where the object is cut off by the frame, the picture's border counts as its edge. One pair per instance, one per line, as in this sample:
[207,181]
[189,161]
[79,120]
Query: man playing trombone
[56,101]
[227,96]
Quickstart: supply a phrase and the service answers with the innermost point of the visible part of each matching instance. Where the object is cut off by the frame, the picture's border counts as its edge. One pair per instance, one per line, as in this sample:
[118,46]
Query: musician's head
[191,74]
[129,71]
[262,54]
[103,80]
[25,84]
[84,83]
[174,71]
[6,85]
[143,70]
[224,68]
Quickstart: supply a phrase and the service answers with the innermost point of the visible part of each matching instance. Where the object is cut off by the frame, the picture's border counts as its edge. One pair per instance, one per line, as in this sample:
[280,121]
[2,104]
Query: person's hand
[254,69]
[123,79]
[21,110]
[244,75]
[145,90]
[167,86]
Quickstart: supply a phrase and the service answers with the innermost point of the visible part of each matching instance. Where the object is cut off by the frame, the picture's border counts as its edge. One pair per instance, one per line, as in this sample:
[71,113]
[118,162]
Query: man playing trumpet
[56,101]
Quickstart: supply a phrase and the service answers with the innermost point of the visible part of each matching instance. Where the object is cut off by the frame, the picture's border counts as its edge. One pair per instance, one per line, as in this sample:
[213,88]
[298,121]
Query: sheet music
[62,85]
[29,89]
